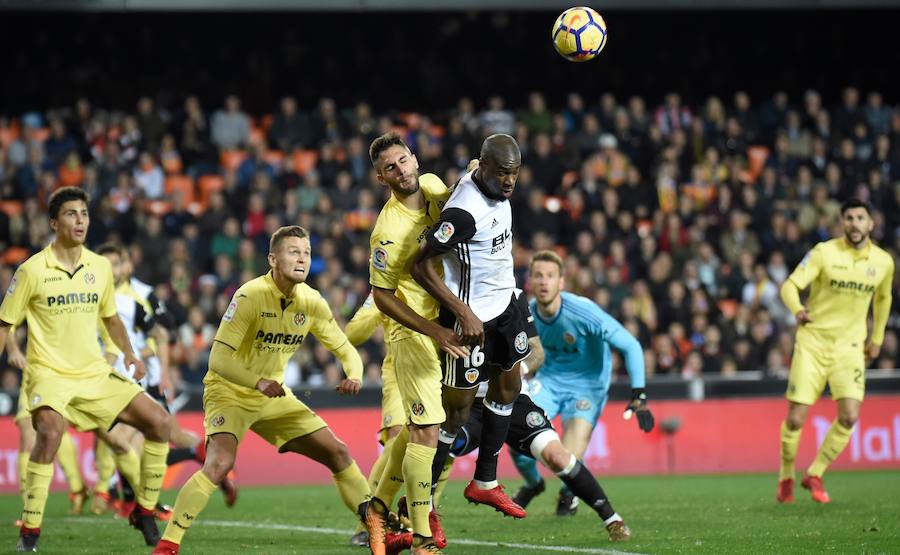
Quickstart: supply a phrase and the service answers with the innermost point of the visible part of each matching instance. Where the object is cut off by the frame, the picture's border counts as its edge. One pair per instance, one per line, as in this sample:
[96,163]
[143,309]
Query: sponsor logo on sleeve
[229,312]
[12,284]
[444,232]
[379,258]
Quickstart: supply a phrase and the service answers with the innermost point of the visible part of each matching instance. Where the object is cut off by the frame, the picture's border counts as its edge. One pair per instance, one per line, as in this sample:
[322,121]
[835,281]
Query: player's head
[394,164]
[290,253]
[127,263]
[547,278]
[856,217]
[498,166]
[69,216]
[113,253]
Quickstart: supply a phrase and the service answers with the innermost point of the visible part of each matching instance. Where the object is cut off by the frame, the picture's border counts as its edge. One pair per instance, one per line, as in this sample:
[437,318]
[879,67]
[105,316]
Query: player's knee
[339,457]
[556,457]
[159,427]
[848,419]
[216,468]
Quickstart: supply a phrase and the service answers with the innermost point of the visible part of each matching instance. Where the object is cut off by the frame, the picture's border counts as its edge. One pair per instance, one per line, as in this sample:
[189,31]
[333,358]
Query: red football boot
[785,491]
[495,498]
[817,488]
[165,547]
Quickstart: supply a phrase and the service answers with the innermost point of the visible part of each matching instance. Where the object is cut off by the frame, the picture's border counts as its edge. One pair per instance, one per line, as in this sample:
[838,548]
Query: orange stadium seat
[14,256]
[182,184]
[12,208]
[231,159]
[209,184]
[304,160]
[756,160]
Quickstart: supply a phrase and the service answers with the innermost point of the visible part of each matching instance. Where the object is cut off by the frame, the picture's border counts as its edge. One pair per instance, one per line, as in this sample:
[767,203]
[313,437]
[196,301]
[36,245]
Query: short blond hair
[547,256]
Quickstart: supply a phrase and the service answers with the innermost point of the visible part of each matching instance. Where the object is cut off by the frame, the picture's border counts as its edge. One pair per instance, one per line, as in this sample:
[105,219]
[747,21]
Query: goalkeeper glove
[638,405]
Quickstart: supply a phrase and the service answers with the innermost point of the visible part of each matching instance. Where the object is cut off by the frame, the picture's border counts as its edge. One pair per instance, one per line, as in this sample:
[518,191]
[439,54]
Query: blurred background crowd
[679,217]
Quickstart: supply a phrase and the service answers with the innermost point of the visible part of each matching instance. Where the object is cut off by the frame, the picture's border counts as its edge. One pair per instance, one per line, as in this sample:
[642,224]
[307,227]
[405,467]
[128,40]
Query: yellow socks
[835,442]
[392,477]
[192,499]
[106,466]
[129,465]
[790,442]
[375,473]
[153,469]
[442,481]
[23,470]
[417,474]
[67,457]
[37,486]
[352,486]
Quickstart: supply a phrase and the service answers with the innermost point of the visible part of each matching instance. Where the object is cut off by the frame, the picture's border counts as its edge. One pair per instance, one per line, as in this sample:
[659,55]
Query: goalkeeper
[574,381]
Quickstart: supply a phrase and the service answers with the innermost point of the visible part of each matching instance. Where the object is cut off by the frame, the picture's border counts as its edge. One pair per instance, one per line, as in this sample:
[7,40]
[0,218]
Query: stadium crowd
[681,221]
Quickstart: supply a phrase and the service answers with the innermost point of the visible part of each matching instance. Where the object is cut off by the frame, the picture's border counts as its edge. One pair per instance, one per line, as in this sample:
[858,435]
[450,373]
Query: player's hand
[471,328]
[638,405]
[16,359]
[473,165]
[803,317]
[132,361]
[872,351]
[348,386]
[450,343]
[269,388]
[166,387]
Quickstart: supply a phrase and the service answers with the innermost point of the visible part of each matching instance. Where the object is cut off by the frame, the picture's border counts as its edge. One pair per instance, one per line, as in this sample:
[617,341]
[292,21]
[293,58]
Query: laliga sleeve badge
[379,258]
[444,232]
[229,312]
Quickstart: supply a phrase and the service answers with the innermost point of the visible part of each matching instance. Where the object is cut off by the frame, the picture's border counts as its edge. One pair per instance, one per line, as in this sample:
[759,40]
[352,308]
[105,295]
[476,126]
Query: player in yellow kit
[415,204]
[845,276]
[63,291]
[265,323]
[358,330]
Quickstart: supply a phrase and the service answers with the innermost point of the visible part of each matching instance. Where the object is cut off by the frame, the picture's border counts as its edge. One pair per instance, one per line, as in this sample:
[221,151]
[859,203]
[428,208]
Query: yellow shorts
[233,409]
[88,402]
[418,367]
[392,413]
[813,365]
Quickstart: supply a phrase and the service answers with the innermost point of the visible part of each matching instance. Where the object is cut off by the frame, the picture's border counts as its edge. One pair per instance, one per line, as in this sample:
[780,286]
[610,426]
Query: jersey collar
[857,254]
[53,262]
[270,282]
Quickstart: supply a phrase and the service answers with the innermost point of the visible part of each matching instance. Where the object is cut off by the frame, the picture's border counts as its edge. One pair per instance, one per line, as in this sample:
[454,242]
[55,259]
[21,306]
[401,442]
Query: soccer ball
[579,34]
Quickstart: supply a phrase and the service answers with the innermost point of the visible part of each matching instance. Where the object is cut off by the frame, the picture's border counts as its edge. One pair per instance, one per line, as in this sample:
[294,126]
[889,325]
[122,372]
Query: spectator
[230,127]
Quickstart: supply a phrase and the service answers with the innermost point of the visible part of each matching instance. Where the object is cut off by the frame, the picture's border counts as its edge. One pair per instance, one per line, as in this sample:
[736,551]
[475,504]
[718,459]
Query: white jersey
[476,233]
[137,322]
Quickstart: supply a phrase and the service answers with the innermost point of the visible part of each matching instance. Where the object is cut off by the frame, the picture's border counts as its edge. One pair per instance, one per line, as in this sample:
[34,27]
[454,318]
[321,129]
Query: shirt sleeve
[434,189]
[608,329]
[237,319]
[108,307]
[15,303]
[143,320]
[455,226]
[364,322]
[881,307]
[330,335]
[808,269]
[386,263]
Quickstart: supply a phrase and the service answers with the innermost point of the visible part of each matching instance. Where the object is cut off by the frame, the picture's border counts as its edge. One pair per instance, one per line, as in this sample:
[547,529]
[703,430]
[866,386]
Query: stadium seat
[12,208]
[756,160]
[231,159]
[304,160]
[157,207]
[182,184]
[14,256]
[208,185]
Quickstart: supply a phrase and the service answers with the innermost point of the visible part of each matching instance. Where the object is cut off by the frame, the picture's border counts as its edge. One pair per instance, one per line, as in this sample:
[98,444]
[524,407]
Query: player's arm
[161,335]
[330,335]
[456,226]
[535,358]
[802,276]
[119,337]
[391,305]
[15,305]
[621,340]
[881,309]
[14,353]
[110,351]
[364,323]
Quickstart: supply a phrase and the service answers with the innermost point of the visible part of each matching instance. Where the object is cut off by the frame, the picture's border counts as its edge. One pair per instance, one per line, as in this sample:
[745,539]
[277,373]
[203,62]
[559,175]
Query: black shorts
[522,301]
[527,421]
[505,344]
[154,392]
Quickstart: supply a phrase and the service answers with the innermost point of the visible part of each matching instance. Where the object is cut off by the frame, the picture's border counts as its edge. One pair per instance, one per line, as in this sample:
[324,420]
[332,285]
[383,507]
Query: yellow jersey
[265,328]
[62,310]
[842,282]
[394,244]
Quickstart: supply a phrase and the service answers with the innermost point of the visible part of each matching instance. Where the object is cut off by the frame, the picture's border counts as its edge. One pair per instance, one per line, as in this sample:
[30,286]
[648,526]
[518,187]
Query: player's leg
[67,457]
[221,450]
[118,441]
[105,463]
[26,444]
[555,456]
[805,383]
[576,436]
[543,394]
[49,426]
[456,403]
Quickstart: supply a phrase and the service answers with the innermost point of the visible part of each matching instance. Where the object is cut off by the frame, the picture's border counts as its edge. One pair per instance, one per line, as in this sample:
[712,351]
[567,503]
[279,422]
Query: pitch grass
[727,514]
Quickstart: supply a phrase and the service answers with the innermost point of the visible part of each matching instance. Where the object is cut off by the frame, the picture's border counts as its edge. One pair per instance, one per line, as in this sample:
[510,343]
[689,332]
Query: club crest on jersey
[583,404]
[379,258]
[217,421]
[89,278]
[569,337]
[521,342]
[418,409]
[229,312]
[534,419]
[387,420]
[299,318]
[35,401]
[12,285]
[444,232]
[472,375]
